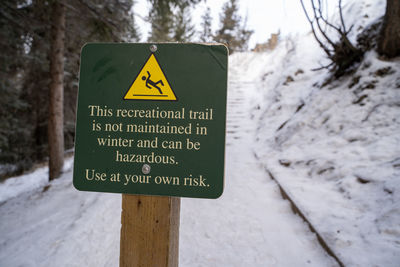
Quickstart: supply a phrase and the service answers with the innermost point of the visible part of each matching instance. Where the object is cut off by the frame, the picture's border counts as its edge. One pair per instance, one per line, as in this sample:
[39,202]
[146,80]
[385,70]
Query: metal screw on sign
[153,48]
[146,169]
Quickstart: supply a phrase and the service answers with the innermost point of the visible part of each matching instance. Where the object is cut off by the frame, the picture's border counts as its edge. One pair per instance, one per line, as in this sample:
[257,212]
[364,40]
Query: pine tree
[56,104]
[232,32]
[134,32]
[161,19]
[25,27]
[166,26]
[206,31]
[244,36]
[22,31]
[183,29]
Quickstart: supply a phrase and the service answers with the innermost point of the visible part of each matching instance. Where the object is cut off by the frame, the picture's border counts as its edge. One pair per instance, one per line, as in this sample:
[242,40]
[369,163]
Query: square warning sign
[151,119]
[151,83]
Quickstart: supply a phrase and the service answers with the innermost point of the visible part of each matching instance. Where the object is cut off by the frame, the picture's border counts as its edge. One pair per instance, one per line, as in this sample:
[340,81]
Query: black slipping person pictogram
[150,83]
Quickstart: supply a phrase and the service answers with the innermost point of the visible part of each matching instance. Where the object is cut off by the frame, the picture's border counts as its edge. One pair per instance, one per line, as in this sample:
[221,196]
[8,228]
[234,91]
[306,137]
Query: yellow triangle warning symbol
[151,83]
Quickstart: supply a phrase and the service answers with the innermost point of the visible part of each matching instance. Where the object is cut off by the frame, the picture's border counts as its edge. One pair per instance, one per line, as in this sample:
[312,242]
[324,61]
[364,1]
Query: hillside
[334,148]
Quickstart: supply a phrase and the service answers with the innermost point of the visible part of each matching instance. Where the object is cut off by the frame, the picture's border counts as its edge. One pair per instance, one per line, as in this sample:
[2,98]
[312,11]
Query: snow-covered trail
[60,227]
[250,225]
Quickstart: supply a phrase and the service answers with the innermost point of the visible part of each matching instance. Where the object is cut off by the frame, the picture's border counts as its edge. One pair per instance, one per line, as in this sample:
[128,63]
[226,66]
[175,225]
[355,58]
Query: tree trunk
[56,114]
[389,42]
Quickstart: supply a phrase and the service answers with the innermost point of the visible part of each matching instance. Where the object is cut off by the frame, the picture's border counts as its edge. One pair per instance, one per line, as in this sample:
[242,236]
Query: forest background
[40,42]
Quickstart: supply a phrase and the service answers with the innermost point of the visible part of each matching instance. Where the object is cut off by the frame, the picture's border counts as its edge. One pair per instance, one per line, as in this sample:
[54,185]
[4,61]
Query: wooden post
[150,231]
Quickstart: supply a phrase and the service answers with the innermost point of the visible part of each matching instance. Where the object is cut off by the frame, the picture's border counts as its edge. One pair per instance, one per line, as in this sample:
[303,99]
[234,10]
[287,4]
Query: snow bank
[336,148]
[37,179]
[59,226]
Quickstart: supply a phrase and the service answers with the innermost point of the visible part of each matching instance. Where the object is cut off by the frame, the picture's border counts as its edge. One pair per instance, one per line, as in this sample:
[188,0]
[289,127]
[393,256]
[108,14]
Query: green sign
[151,119]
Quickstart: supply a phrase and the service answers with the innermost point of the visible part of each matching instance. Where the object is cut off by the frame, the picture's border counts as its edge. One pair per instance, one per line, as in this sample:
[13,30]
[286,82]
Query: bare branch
[330,24]
[390,104]
[341,16]
[305,12]
[324,67]
[313,31]
[342,53]
[347,32]
[318,24]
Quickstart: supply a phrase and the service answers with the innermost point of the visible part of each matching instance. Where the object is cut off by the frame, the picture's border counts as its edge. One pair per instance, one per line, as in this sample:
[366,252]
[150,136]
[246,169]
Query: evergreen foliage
[206,31]
[166,26]
[160,17]
[183,29]
[24,72]
[232,31]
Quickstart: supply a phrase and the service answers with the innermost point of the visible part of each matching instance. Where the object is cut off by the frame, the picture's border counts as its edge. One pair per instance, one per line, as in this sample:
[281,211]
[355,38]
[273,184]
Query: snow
[334,149]
[18,185]
[250,225]
[60,226]
[341,152]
